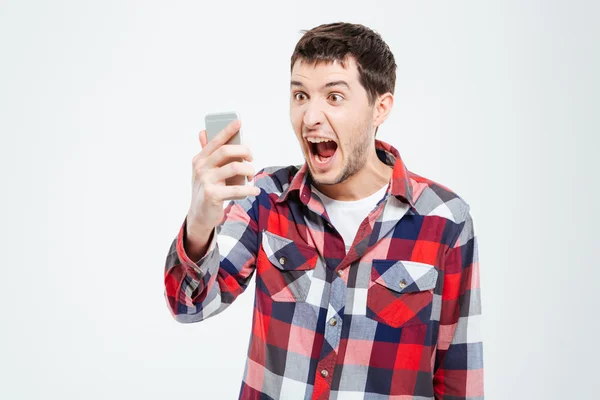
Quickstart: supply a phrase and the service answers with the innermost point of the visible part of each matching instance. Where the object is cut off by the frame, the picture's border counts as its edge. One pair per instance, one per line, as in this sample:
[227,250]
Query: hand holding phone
[219,172]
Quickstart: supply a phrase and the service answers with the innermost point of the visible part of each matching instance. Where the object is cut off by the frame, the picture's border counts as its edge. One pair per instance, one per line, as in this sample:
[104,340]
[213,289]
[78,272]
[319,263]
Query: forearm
[196,286]
[196,241]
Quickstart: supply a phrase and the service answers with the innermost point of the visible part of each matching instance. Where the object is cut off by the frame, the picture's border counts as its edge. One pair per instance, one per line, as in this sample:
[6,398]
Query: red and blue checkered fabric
[396,317]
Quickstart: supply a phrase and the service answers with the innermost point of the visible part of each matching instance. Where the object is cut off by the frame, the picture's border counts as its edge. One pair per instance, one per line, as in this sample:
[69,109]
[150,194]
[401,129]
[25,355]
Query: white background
[100,108]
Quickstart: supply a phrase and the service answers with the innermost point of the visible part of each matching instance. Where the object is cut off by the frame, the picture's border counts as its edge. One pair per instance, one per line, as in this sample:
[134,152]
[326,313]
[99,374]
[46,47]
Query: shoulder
[432,198]
[275,179]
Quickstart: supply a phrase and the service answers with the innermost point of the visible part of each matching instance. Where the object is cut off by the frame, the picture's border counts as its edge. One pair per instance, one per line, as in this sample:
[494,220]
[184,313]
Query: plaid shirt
[398,316]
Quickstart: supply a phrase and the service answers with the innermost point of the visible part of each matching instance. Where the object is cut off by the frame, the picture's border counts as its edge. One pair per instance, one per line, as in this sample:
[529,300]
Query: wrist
[196,242]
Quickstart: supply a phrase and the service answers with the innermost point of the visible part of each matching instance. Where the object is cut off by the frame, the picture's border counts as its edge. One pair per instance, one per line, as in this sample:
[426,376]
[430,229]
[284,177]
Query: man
[367,279]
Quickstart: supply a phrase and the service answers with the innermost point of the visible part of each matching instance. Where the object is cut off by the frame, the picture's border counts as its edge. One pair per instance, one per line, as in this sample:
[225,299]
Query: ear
[383,107]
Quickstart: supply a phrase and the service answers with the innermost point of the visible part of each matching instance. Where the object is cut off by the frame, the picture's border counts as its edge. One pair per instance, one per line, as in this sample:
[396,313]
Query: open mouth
[322,151]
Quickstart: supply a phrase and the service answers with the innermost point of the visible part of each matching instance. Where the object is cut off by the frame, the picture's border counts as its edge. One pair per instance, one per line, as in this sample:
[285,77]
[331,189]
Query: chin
[327,178]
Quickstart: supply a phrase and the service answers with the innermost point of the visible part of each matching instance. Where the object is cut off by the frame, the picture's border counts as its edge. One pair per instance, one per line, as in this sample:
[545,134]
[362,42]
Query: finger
[236,192]
[228,153]
[233,169]
[223,136]
[203,139]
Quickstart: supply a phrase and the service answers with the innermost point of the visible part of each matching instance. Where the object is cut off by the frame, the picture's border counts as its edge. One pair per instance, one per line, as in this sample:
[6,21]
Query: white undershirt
[347,216]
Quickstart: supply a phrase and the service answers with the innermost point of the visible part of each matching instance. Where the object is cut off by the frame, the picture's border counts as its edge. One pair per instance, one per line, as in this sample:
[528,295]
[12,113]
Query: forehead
[325,71]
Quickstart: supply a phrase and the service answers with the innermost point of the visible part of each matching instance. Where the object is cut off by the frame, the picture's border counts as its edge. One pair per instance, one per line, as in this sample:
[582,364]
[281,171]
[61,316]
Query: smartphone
[215,123]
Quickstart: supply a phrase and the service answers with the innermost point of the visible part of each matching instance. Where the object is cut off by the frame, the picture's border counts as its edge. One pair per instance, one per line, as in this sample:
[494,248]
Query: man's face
[328,102]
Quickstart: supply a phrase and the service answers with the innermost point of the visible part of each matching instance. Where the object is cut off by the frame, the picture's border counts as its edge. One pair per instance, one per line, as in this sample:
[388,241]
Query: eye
[299,96]
[336,97]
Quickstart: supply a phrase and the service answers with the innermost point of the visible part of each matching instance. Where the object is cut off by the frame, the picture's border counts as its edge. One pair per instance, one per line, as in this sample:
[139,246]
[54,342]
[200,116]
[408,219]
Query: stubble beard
[356,159]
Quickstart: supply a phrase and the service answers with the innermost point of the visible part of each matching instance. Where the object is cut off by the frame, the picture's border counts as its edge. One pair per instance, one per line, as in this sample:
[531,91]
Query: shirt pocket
[401,292]
[285,268]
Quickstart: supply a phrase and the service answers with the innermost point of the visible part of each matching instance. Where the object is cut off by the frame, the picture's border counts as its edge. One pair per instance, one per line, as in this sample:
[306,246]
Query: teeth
[317,140]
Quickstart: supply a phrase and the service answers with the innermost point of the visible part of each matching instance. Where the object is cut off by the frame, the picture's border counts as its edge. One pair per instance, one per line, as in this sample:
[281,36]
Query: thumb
[203,140]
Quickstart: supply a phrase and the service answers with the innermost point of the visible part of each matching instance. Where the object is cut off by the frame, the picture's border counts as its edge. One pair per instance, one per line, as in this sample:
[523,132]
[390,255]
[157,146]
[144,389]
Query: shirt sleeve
[195,291]
[458,369]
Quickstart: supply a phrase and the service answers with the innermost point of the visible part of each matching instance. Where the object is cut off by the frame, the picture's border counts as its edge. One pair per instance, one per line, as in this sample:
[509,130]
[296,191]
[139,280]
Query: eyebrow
[327,85]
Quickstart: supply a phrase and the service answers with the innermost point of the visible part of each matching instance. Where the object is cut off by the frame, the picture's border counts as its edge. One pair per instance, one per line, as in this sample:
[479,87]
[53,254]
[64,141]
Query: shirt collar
[399,183]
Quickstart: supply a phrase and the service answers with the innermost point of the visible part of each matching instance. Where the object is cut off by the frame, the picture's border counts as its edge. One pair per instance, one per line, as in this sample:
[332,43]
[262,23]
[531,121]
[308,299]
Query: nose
[313,115]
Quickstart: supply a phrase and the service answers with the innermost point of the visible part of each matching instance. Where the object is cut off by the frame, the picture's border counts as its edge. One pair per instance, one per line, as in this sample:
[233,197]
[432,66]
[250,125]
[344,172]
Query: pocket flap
[287,255]
[404,276]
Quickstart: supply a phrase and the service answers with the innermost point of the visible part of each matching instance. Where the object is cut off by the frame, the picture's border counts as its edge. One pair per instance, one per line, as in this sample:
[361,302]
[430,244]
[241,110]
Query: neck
[372,177]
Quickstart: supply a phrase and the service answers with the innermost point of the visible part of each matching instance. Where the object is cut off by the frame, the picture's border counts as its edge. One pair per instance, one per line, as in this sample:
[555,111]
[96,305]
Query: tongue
[326,149]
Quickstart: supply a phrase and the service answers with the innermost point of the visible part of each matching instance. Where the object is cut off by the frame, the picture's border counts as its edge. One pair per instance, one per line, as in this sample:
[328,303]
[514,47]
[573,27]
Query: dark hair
[336,41]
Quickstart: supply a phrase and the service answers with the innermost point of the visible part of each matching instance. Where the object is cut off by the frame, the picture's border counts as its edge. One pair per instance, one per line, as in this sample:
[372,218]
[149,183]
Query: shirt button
[333,322]
[324,373]
[402,283]
[282,260]
[340,272]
